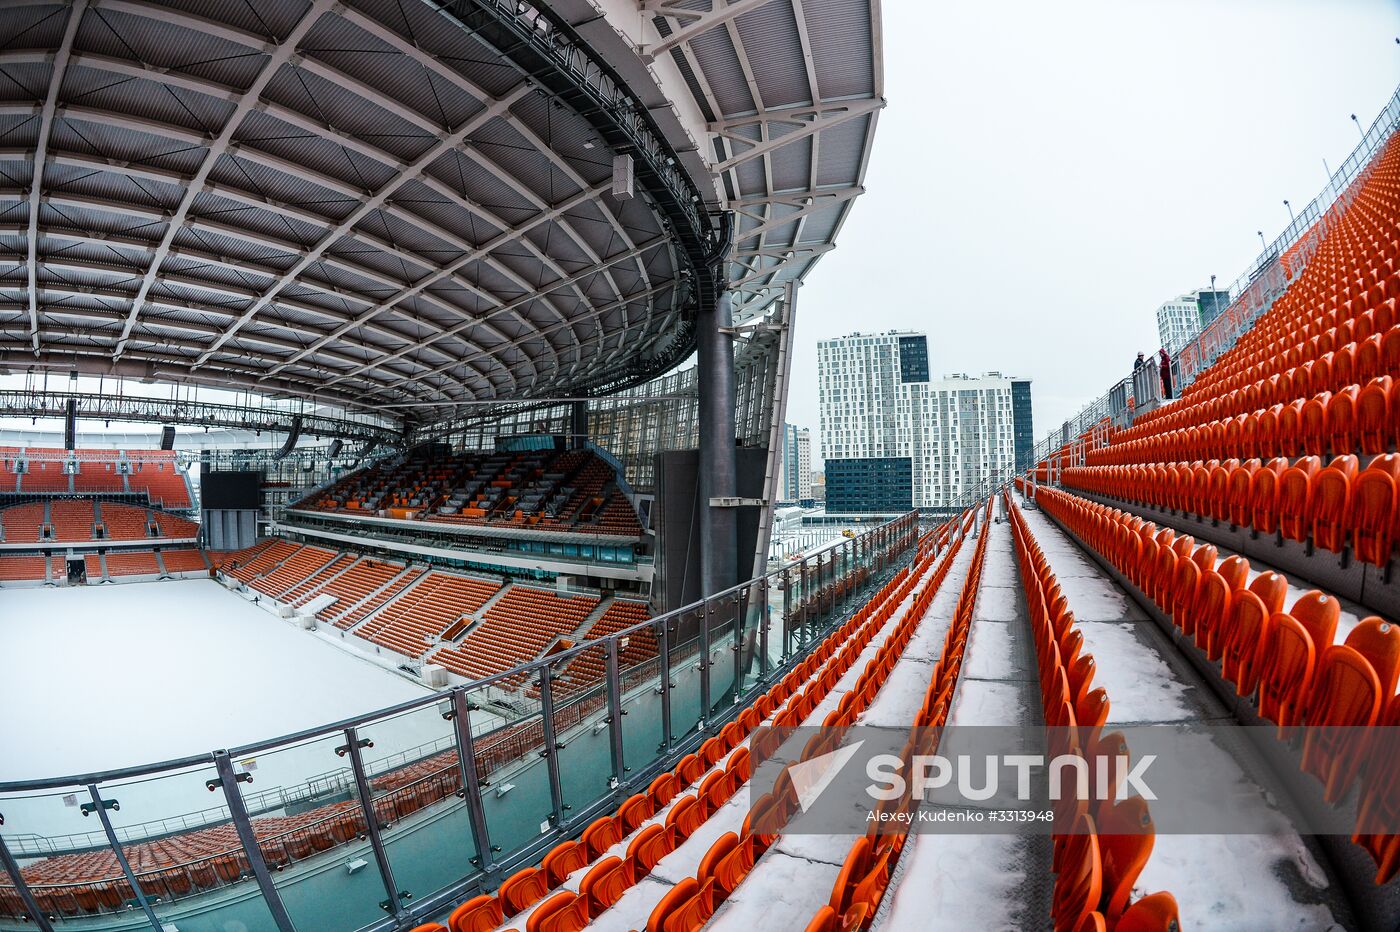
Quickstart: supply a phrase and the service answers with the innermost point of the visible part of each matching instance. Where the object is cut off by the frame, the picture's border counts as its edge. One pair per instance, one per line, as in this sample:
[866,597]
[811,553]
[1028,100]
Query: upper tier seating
[154,472]
[44,476]
[515,629]
[573,490]
[426,611]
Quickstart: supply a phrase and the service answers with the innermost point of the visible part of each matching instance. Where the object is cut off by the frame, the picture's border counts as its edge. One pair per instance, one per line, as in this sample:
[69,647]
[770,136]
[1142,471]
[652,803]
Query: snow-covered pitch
[101,677]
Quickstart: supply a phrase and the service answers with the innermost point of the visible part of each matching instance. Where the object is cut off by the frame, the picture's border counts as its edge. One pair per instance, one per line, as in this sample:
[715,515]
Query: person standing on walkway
[1165,362]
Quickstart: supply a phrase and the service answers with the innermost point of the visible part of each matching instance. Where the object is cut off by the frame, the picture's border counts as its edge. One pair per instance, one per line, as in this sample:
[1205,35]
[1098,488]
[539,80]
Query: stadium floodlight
[1290,209]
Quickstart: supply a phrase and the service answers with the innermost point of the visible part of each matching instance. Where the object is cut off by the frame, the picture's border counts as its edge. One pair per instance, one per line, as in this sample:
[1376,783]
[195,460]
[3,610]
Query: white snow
[981,702]
[1141,686]
[116,676]
[989,649]
[960,882]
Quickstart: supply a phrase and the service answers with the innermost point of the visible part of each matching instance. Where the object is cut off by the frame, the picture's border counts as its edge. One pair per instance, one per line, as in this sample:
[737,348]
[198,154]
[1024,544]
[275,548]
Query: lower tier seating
[132,563]
[1296,663]
[514,630]
[183,560]
[18,568]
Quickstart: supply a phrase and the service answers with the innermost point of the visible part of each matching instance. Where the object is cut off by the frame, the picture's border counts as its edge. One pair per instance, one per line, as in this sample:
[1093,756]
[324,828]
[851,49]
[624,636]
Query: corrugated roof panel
[167,42]
[773,48]
[149,99]
[841,44]
[723,72]
[842,145]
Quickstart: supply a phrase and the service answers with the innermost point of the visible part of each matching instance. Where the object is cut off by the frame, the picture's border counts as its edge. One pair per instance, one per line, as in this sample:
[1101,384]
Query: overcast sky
[1047,174]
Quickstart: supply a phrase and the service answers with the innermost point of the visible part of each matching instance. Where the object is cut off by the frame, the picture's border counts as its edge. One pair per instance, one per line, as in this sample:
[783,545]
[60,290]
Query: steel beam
[718,472]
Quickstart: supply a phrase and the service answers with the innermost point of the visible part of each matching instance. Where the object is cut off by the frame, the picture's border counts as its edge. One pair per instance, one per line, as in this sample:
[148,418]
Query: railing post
[615,712]
[471,781]
[765,619]
[551,744]
[238,812]
[99,806]
[707,613]
[31,906]
[663,654]
[394,904]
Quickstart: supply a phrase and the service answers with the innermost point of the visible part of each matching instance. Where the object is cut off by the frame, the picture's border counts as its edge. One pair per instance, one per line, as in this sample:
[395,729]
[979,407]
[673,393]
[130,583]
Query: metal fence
[380,820]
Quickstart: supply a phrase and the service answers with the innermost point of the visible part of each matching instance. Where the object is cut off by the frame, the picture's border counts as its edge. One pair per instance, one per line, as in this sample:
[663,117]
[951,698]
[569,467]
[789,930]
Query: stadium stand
[297,565]
[520,625]
[183,560]
[154,472]
[22,523]
[132,563]
[573,490]
[412,622]
[72,520]
[44,476]
[369,586]
[21,568]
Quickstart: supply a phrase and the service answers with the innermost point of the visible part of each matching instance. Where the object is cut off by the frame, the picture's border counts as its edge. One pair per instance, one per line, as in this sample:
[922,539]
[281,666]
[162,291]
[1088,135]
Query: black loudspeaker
[70,425]
[292,436]
[336,444]
[167,437]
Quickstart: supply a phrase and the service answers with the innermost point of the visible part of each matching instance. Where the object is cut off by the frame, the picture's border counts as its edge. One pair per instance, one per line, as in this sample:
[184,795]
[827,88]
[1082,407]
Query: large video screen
[231,489]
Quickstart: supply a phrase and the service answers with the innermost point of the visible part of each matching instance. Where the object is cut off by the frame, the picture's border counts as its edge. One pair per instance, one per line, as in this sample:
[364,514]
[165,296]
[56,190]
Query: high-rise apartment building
[795,465]
[893,438]
[1181,318]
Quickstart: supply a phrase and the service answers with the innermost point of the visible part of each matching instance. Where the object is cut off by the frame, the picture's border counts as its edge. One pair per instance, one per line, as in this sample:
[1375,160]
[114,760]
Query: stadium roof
[381,202]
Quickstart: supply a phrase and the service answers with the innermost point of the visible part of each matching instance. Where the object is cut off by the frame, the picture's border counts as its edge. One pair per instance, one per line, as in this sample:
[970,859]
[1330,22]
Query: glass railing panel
[750,664]
[415,776]
[311,828]
[176,832]
[508,730]
[65,856]
[643,735]
[723,618]
[582,736]
[687,711]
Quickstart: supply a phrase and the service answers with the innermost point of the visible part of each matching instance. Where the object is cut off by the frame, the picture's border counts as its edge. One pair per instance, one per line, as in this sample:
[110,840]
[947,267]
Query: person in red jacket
[1165,362]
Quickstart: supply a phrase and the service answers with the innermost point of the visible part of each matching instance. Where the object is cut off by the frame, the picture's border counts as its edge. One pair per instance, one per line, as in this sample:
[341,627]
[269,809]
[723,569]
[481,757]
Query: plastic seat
[651,845]
[1295,498]
[1347,695]
[540,916]
[672,901]
[1126,836]
[1331,503]
[600,835]
[521,890]
[1374,510]
[1374,415]
[1155,913]
[1264,495]
[1286,674]
[562,860]
[478,914]
[604,884]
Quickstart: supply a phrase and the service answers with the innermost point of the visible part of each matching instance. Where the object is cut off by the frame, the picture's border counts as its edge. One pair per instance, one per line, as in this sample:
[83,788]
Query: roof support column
[718,472]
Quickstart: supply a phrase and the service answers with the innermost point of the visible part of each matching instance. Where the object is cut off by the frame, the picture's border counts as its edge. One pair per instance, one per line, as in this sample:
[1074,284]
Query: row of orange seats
[1332,506]
[608,878]
[1101,846]
[1286,661]
[865,874]
[1365,419]
[1353,362]
[732,857]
